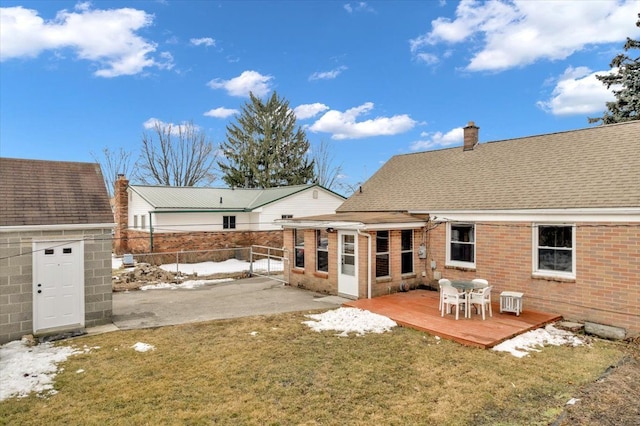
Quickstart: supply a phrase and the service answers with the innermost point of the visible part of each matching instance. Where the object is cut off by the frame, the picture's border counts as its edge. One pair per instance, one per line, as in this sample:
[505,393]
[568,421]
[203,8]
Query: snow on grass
[534,340]
[350,320]
[25,369]
[143,347]
[228,266]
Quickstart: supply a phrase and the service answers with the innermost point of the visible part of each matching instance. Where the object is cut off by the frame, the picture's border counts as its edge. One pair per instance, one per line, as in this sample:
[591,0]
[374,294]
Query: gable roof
[38,192]
[201,198]
[597,167]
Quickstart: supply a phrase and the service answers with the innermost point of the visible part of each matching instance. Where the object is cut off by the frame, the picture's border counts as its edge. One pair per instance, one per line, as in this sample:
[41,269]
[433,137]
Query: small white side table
[511,301]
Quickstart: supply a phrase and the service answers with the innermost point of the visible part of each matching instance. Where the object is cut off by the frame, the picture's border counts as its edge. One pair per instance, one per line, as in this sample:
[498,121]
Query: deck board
[418,309]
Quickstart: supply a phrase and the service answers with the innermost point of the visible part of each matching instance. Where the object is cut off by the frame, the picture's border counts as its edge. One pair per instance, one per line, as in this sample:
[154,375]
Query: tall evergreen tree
[626,76]
[264,149]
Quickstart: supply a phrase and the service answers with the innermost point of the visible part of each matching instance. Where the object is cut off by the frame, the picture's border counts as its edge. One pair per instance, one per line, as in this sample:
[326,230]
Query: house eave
[57,227]
[622,214]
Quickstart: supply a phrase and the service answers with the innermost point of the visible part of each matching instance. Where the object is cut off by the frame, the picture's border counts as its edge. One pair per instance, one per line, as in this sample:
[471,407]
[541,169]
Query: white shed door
[58,285]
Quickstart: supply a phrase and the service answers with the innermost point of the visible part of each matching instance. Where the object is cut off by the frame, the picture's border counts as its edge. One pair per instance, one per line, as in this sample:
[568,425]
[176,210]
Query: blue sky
[372,79]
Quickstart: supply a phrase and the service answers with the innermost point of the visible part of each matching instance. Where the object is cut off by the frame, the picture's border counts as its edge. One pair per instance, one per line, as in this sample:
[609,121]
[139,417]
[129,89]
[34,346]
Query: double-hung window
[322,250]
[228,222]
[461,245]
[298,238]
[382,254]
[406,251]
[554,250]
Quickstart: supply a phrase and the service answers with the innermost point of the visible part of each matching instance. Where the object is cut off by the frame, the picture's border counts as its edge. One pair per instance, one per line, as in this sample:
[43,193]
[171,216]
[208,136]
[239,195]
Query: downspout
[365,234]
[150,232]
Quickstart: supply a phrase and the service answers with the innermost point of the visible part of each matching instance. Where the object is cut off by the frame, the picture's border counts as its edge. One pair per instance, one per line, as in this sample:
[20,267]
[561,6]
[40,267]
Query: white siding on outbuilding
[309,202]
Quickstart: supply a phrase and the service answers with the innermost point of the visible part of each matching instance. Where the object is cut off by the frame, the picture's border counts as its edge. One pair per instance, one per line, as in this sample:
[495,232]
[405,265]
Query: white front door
[58,285]
[348,266]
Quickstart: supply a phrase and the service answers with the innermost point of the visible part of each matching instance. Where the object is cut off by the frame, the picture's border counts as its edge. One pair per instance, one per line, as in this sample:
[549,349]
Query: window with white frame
[298,238]
[135,220]
[322,250]
[382,254]
[228,222]
[554,250]
[406,251]
[461,244]
[143,221]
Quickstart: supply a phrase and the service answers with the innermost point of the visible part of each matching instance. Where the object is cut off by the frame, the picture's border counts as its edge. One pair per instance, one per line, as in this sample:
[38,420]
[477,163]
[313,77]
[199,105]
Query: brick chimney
[470,136]
[121,207]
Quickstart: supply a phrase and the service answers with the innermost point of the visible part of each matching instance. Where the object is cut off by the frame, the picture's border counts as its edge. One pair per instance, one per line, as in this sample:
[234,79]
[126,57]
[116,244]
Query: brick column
[121,204]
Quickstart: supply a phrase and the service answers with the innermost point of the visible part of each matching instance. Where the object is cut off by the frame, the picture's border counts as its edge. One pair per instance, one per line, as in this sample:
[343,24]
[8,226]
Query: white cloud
[427,58]
[206,41]
[343,125]
[105,37]
[360,6]
[221,112]
[175,129]
[438,139]
[578,91]
[248,81]
[309,110]
[520,32]
[327,75]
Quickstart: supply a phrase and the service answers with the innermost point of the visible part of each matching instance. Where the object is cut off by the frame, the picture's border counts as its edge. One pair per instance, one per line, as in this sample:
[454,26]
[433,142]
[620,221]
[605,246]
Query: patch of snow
[228,266]
[189,285]
[572,401]
[533,340]
[350,320]
[25,369]
[143,347]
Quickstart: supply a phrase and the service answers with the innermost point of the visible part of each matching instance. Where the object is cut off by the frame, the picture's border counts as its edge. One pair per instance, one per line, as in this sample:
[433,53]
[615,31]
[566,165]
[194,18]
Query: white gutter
[364,234]
[59,227]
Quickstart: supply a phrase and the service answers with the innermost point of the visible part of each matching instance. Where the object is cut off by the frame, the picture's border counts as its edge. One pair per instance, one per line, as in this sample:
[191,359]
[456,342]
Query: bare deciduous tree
[112,164]
[327,172]
[181,155]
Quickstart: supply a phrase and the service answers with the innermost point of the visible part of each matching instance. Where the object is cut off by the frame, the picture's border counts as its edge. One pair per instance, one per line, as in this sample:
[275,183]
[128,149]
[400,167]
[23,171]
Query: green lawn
[274,370]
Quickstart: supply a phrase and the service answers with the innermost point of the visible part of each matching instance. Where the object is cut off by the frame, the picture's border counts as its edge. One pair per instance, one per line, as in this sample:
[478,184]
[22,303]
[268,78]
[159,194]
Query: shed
[55,247]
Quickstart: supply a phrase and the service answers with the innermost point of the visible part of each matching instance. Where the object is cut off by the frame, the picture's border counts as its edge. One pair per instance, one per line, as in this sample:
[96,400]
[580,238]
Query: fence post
[177,266]
[251,261]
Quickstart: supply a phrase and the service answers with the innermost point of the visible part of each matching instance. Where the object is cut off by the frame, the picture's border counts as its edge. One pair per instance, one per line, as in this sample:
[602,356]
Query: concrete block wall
[16,278]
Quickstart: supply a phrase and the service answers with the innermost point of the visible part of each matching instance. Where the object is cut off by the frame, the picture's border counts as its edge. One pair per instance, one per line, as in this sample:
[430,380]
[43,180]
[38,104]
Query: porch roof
[357,220]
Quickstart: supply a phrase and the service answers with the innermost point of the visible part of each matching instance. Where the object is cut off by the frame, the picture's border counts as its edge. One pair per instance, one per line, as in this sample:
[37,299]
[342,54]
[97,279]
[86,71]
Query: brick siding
[605,291]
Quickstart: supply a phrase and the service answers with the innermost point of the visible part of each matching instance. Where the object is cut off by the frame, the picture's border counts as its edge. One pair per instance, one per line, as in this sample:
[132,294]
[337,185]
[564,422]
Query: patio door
[58,285]
[348,267]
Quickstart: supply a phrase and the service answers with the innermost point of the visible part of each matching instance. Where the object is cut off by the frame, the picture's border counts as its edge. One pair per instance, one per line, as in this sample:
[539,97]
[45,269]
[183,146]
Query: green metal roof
[200,198]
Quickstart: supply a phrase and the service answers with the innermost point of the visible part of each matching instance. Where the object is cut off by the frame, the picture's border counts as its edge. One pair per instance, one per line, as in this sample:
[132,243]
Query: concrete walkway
[234,299]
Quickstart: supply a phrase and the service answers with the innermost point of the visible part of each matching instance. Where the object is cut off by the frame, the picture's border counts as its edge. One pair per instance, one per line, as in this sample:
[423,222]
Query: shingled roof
[596,167]
[37,192]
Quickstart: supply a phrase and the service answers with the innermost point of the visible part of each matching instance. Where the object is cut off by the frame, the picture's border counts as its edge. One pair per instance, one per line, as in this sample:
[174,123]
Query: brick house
[555,216]
[164,219]
[55,247]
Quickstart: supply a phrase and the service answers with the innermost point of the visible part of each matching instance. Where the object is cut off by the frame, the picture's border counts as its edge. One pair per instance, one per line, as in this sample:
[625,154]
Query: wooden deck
[418,309]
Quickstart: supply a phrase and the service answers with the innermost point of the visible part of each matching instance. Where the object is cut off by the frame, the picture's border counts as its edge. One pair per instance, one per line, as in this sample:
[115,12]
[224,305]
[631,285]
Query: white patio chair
[481,297]
[480,282]
[451,297]
[443,282]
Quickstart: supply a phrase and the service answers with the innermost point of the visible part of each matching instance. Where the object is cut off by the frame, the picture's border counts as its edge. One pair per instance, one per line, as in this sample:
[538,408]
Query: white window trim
[388,253]
[411,250]
[296,247]
[457,263]
[545,273]
[320,249]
